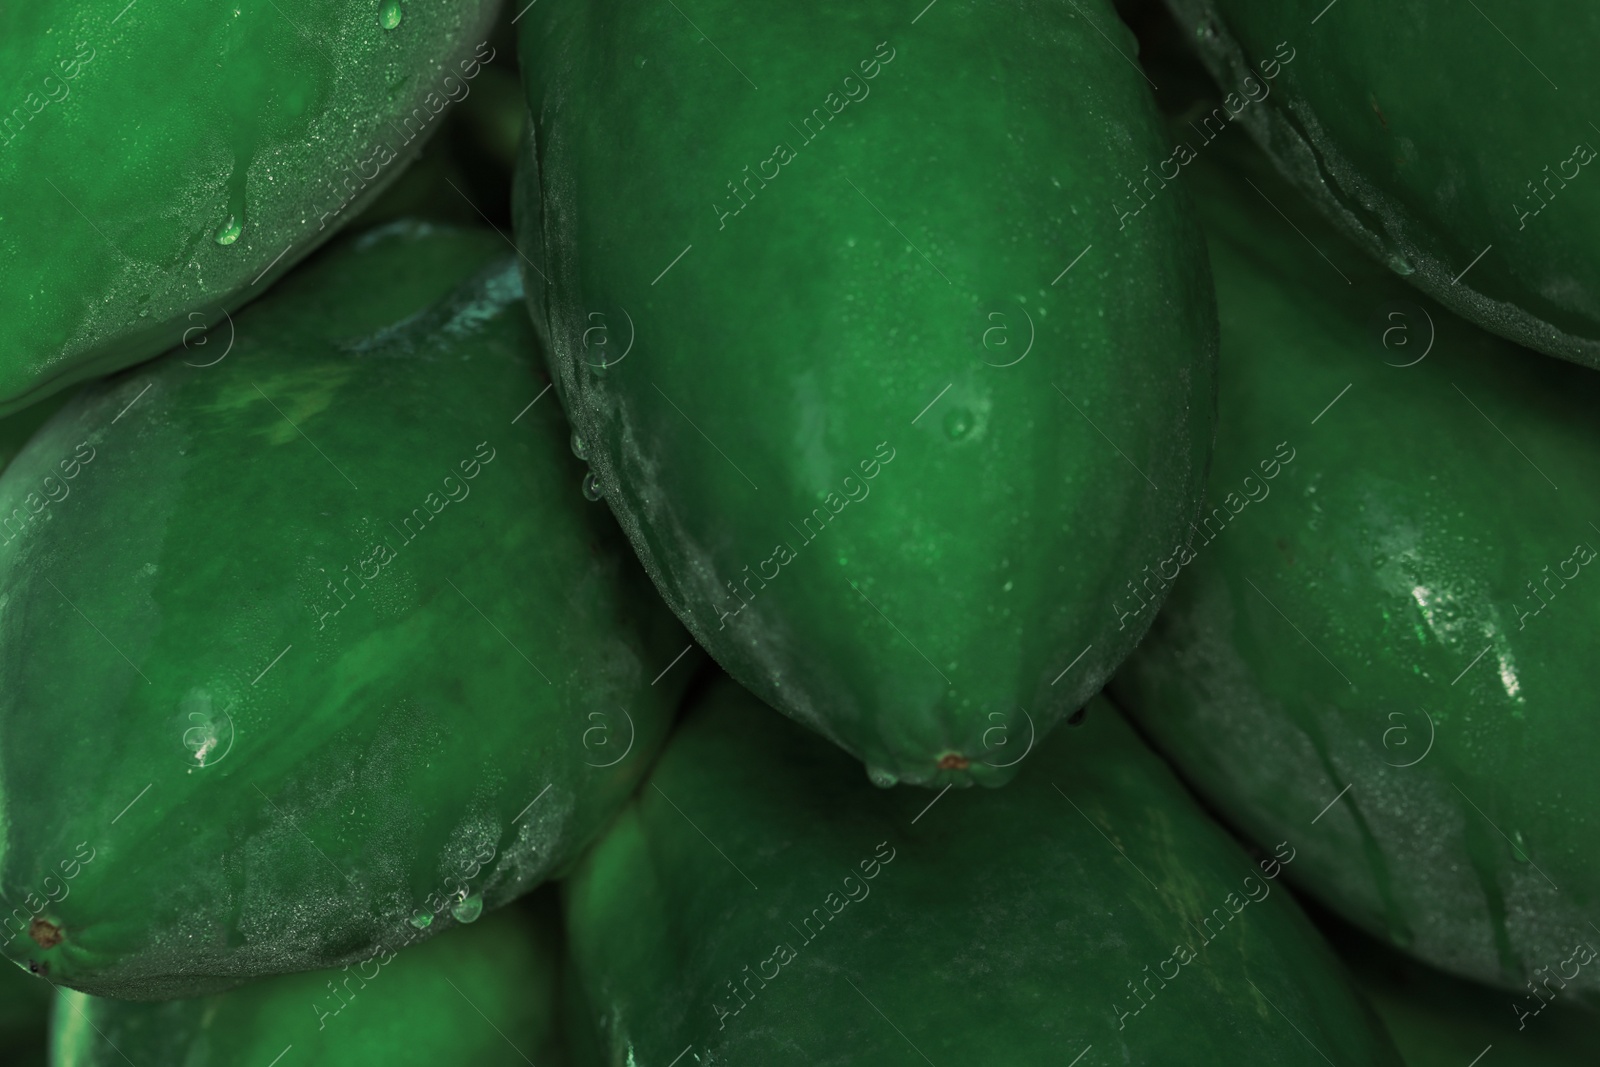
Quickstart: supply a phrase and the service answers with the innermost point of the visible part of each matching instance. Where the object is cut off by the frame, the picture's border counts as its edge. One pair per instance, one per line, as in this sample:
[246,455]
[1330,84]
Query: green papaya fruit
[161,164]
[1435,137]
[321,644]
[892,404]
[1440,1021]
[483,995]
[758,902]
[1380,640]
[24,1017]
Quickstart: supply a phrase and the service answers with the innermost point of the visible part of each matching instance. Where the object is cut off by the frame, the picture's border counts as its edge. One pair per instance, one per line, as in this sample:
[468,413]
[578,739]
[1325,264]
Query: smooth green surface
[896,466]
[842,925]
[136,138]
[16,429]
[483,995]
[1370,620]
[1439,1021]
[322,637]
[1435,133]
[24,1017]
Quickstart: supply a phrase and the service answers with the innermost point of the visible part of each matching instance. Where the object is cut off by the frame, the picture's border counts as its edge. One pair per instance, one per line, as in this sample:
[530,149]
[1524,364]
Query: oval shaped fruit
[1437,139]
[315,644]
[1386,629]
[900,410]
[759,903]
[483,995]
[144,199]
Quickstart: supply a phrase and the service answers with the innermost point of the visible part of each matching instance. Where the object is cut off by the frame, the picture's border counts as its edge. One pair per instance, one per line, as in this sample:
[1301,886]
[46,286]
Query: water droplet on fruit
[958,423]
[591,488]
[389,15]
[421,920]
[466,911]
[579,449]
[639,61]
[1519,847]
[1399,264]
[881,778]
[229,231]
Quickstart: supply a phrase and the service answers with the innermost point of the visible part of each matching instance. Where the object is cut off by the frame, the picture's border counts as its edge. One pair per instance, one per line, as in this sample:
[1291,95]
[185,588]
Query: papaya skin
[1419,679]
[893,453]
[1438,141]
[216,762]
[420,1005]
[997,926]
[119,173]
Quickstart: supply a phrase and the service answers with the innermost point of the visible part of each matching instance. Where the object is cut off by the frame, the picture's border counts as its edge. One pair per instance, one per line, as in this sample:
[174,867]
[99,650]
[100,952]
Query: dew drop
[229,231]
[579,449]
[957,424]
[1519,847]
[421,920]
[640,61]
[389,14]
[591,488]
[881,778]
[1399,264]
[468,910]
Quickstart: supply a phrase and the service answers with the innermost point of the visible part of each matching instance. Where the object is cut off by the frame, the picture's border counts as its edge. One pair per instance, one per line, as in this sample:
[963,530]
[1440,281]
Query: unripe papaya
[162,164]
[758,902]
[897,409]
[1455,145]
[483,995]
[1388,630]
[315,646]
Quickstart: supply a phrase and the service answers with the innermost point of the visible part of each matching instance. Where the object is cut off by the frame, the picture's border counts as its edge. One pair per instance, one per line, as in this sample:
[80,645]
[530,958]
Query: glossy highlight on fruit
[1089,904]
[899,456]
[316,645]
[483,996]
[1455,145]
[1389,656]
[162,163]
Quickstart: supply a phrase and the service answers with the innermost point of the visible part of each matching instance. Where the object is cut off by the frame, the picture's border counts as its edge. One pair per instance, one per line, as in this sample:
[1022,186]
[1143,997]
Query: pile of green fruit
[520,529]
